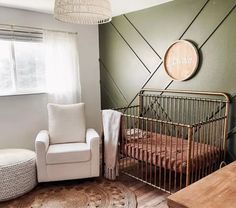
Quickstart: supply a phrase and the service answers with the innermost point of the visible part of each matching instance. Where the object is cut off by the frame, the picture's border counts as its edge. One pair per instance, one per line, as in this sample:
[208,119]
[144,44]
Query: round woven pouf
[17,172]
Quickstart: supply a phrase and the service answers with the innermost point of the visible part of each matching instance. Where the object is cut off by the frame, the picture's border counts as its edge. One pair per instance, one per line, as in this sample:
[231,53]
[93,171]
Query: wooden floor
[147,196]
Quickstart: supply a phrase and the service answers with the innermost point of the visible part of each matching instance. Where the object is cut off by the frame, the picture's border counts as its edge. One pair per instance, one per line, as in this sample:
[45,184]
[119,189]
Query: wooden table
[217,190]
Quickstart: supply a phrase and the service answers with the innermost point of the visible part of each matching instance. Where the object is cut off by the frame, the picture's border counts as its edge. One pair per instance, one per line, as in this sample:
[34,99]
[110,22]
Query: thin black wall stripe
[232,132]
[148,79]
[120,91]
[108,95]
[145,83]
[142,36]
[221,22]
[130,47]
[194,19]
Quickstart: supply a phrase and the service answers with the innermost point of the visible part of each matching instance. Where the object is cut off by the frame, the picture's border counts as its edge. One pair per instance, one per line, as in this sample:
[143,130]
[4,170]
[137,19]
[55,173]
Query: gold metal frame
[173,138]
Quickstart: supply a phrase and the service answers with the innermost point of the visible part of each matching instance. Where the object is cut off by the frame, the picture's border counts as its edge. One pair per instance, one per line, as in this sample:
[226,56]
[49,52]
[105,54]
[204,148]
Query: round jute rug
[90,194]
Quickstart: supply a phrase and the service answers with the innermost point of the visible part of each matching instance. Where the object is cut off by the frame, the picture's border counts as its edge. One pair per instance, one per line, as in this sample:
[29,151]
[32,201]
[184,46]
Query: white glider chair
[67,151]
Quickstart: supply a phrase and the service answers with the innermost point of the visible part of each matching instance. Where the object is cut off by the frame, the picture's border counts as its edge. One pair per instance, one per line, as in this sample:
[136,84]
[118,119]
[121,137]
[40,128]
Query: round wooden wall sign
[181,60]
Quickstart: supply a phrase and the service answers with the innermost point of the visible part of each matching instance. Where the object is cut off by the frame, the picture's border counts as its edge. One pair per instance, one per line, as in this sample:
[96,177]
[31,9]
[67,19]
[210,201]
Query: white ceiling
[46,6]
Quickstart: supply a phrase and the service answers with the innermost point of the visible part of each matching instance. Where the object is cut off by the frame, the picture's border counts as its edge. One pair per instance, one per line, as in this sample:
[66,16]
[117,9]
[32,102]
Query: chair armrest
[92,137]
[42,141]
[41,148]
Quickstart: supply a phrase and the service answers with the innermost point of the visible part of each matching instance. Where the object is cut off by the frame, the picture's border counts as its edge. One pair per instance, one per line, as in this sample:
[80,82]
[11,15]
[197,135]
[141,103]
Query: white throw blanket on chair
[111,128]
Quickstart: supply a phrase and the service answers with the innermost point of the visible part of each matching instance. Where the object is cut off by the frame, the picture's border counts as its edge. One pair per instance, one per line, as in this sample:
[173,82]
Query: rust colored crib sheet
[170,152]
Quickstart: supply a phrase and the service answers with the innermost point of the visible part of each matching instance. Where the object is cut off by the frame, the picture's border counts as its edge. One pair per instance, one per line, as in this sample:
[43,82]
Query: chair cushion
[68,153]
[66,123]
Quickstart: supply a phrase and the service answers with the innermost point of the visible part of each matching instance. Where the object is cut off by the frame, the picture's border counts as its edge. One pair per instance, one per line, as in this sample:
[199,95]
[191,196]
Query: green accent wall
[132,48]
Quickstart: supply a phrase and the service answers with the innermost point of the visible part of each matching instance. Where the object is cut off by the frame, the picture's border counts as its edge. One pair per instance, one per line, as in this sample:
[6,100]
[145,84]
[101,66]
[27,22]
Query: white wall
[126,6]
[21,117]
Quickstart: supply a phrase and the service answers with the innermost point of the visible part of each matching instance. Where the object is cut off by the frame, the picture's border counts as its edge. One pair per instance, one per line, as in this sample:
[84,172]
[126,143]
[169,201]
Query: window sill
[23,93]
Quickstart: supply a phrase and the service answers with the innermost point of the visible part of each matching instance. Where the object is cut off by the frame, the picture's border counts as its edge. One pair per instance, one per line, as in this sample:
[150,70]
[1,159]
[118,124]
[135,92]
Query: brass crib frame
[178,118]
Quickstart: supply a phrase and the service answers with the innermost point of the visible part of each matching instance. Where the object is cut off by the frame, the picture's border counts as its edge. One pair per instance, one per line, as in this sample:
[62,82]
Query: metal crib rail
[171,144]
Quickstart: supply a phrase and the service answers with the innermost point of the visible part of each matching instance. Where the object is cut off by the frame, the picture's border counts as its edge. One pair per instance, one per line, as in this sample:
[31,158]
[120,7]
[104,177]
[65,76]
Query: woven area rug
[76,194]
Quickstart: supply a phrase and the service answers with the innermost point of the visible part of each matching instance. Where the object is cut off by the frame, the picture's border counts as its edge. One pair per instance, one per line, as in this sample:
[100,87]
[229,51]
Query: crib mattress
[170,152]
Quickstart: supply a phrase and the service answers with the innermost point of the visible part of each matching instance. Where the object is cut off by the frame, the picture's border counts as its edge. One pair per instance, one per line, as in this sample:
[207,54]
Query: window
[31,57]
[21,66]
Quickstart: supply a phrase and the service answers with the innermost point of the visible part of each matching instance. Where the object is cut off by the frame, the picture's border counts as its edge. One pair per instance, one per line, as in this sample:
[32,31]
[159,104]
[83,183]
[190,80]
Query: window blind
[20,33]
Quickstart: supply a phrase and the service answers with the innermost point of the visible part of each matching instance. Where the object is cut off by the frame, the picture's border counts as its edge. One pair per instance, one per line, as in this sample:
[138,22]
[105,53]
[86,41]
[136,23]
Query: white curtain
[62,67]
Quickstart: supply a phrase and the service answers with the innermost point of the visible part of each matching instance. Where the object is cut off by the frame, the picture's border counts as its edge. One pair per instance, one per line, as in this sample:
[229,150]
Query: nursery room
[117,103]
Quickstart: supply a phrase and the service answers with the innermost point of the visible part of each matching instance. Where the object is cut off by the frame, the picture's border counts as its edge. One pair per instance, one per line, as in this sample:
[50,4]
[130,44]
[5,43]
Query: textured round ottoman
[17,172]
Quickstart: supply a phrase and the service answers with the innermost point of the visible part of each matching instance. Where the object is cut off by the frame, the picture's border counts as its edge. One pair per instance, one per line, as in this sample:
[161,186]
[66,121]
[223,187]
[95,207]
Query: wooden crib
[173,138]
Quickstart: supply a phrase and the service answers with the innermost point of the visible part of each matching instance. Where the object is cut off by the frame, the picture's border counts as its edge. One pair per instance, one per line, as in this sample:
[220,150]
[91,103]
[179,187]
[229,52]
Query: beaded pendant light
[83,11]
